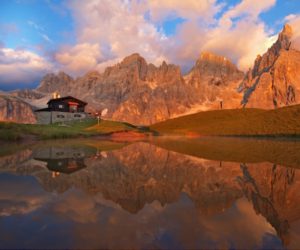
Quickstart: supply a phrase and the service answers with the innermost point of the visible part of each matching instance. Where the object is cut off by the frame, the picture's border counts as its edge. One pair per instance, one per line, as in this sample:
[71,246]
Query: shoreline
[132,136]
[113,136]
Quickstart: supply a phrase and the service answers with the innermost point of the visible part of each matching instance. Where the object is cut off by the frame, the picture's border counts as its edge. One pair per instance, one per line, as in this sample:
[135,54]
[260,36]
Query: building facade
[62,109]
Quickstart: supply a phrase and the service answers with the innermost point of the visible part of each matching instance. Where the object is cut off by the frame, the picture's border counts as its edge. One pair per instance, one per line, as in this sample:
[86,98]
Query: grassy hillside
[240,122]
[89,127]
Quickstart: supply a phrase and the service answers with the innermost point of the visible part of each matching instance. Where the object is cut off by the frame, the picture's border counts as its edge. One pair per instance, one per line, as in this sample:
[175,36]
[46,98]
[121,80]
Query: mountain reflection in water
[156,194]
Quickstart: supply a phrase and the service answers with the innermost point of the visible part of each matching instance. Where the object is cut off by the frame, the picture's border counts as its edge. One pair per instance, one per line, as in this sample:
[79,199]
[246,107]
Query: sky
[42,36]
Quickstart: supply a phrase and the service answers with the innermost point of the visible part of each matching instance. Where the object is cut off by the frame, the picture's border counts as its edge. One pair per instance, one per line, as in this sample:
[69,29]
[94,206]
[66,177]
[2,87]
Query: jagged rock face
[274,80]
[166,73]
[141,93]
[216,79]
[27,94]
[13,109]
[51,83]
[132,91]
[214,70]
[153,94]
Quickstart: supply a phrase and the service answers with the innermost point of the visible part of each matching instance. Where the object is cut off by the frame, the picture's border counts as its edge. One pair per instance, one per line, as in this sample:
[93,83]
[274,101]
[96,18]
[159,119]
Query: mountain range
[141,93]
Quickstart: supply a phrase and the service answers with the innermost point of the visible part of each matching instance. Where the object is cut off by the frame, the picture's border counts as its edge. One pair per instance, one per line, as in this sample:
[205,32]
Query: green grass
[86,128]
[110,127]
[236,122]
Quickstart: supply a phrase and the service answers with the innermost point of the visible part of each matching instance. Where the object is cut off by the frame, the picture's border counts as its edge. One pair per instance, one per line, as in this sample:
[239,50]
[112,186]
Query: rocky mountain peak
[135,58]
[213,69]
[274,80]
[265,62]
[164,74]
[168,69]
[60,83]
[286,33]
[92,74]
[134,65]
[283,41]
[62,74]
[142,93]
[209,56]
[87,82]
[215,64]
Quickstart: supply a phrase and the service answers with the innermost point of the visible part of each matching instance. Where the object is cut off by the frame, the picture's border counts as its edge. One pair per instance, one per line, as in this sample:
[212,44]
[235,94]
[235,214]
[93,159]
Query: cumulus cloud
[294,21]
[190,9]
[246,8]
[112,30]
[241,43]
[21,66]
[80,58]
[107,31]
[238,34]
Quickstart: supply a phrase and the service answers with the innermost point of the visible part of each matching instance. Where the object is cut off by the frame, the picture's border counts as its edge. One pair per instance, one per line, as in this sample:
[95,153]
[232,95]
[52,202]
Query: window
[77,115]
[60,116]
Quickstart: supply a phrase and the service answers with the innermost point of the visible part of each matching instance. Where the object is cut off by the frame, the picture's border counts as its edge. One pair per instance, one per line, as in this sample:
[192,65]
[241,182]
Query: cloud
[246,8]
[241,43]
[189,9]
[294,21]
[107,31]
[290,17]
[110,30]
[46,38]
[21,66]
[80,58]
[35,25]
[239,34]
[40,30]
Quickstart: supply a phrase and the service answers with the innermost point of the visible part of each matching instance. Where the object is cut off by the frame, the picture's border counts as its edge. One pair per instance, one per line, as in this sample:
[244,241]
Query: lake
[161,193]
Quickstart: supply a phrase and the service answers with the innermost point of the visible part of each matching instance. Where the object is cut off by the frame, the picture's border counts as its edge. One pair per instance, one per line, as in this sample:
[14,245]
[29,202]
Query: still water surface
[170,193]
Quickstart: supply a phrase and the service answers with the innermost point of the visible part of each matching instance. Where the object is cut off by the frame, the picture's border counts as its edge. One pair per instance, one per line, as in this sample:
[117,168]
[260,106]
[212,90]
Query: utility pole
[98,117]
